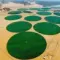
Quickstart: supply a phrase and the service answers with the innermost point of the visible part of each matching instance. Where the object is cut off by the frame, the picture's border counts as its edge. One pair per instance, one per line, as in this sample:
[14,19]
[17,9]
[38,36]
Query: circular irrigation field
[44,13]
[53,19]
[13,17]
[32,18]
[47,28]
[26,45]
[14,12]
[19,26]
[27,11]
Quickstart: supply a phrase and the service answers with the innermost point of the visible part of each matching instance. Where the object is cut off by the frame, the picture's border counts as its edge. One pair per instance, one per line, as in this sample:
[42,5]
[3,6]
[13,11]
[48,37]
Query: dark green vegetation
[26,45]
[19,26]
[14,12]
[13,17]
[53,19]
[44,13]
[32,18]
[47,28]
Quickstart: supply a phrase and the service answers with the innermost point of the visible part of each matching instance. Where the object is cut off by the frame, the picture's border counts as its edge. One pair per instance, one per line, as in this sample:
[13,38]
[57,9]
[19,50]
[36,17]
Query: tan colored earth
[52,51]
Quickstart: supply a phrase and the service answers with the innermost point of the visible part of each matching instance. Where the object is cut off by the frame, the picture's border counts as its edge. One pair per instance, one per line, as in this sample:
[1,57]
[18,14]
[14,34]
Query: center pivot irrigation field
[30,34]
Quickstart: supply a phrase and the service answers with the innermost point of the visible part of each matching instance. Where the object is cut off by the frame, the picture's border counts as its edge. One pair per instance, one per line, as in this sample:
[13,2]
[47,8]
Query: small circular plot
[19,26]
[26,45]
[42,10]
[13,17]
[46,8]
[44,13]
[57,13]
[14,12]
[27,11]
[53,19]
[47,28]
[32,18]
[34,8]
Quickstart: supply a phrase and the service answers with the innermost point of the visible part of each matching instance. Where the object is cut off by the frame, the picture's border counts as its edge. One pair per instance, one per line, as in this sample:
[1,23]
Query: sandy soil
[52,51]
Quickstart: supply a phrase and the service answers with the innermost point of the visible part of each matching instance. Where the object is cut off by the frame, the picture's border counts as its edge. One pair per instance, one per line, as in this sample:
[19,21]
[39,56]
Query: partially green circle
[44,13]
[22,9]
[13,17]
[57,13]
[47,28]
[53,19]
[19,26]
[32,18]
[26,45]
[14,12]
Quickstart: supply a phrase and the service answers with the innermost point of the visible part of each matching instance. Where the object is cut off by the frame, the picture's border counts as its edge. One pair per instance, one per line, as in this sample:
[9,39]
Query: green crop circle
[32,18]
[34,8]
[13,17]
[26,45]
[19,26]
[47,28]
[44,13]
[53,19]
[46,8]
[14,12]
[27,11]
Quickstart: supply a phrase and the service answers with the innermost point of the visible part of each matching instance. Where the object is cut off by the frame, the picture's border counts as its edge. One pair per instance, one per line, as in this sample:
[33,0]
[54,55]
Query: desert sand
[52,51]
